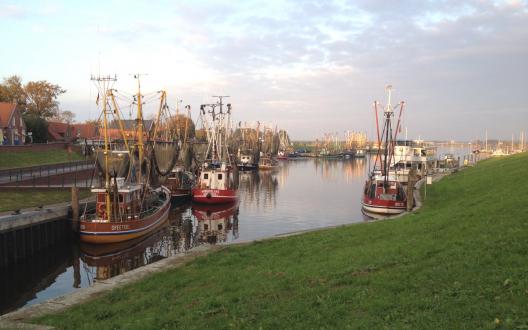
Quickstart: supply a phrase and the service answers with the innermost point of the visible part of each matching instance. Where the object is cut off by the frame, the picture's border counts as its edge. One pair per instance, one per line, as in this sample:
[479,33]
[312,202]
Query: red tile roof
[6,110]
[85,131]
[59,131]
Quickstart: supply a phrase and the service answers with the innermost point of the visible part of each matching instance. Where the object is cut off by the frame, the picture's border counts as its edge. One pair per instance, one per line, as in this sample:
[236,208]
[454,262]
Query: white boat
[409,154]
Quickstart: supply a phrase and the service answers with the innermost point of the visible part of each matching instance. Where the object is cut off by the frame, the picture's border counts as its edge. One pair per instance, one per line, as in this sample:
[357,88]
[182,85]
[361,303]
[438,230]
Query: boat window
[219,226]
[120,198]
[206,226]
[219,176]
[206,176]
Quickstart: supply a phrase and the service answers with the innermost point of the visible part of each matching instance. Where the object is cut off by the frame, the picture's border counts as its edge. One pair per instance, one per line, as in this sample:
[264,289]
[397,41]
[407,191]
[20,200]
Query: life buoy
[208,196]
[101,211]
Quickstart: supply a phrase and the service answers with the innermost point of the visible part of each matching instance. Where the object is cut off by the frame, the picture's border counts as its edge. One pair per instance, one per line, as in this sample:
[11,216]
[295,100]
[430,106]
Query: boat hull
[247,167]
[115,232]
[214,196]
[181,195]
[383,207]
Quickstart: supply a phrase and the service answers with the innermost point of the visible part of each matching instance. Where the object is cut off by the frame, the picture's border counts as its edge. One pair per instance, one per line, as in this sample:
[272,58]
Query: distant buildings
[12,125]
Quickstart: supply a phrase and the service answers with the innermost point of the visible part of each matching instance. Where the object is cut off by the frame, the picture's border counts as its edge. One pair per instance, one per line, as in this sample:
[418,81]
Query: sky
[310,67]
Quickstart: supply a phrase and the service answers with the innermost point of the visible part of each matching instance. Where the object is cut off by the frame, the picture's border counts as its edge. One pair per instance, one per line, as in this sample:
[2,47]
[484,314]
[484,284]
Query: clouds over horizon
[311,67]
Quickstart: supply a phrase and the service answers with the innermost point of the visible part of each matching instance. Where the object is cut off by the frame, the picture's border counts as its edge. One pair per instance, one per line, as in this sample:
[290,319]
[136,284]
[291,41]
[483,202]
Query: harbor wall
[24,235]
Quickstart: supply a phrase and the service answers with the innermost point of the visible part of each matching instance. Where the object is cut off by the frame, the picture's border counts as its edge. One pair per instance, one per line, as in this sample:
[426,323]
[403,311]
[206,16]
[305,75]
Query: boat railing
[93,217]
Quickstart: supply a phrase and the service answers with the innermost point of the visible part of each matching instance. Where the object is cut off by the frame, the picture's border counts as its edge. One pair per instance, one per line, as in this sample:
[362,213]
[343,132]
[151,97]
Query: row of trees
[37,101]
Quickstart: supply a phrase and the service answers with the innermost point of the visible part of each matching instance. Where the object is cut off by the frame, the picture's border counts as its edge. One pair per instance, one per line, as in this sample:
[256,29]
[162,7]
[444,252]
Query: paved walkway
[28,173]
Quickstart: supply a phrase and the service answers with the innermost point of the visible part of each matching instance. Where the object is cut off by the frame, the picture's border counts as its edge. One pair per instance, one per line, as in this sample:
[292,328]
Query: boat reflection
[215,222]
[259,188]
[105,261]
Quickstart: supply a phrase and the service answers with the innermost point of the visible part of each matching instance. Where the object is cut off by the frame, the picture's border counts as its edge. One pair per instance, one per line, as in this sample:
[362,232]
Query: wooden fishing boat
[180,183]
[383,193]
[127,205]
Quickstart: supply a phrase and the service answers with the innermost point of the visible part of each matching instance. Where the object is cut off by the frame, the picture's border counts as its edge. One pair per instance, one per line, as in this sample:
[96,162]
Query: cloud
[13,11]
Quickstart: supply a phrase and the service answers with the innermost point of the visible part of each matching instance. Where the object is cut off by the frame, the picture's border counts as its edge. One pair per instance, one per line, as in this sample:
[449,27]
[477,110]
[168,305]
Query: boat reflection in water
[105,261]
[187,228]
[216,221]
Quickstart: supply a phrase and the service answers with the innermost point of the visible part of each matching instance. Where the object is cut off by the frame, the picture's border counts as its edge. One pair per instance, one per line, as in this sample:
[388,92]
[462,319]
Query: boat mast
[105,83]
[388,133]
[139,127]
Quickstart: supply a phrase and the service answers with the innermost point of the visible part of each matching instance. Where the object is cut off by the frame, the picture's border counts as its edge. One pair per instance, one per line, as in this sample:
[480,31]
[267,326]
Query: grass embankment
[10,159]
[13,200]
[460,262]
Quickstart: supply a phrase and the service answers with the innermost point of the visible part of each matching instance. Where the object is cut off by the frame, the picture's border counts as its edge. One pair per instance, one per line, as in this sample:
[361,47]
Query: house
[86,131]
[61,132]
[12,125]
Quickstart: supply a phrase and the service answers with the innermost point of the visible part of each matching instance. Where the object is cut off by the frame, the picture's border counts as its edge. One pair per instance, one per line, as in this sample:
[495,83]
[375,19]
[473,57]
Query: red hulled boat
[216,183]
[383,194]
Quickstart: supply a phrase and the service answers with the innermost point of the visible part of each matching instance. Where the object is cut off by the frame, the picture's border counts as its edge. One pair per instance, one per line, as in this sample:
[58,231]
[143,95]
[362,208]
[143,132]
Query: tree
[38,128]
[65,117]
[180,123]
[11,90]
[42,98]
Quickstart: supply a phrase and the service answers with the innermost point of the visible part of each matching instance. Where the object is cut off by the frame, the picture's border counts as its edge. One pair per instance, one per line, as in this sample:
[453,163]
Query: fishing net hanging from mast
[166,142]
[118,160]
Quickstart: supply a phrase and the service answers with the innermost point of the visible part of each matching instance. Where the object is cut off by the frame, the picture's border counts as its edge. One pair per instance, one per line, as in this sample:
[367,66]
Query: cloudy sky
[309,66]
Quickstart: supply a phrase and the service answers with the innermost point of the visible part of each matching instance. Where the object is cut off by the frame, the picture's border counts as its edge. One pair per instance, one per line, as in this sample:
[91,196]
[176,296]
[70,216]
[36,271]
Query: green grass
[10,159]
[460,262]
[10,200]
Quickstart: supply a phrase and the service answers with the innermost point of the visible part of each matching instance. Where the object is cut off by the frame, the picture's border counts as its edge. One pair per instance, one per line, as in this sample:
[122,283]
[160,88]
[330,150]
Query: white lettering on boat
[120,227]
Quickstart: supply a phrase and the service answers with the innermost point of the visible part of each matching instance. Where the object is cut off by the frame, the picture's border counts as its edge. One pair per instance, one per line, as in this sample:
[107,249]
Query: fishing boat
[127,206]
[216,182]
[383,193]
[267,163]
[247,161]
[180,182]
[285,149]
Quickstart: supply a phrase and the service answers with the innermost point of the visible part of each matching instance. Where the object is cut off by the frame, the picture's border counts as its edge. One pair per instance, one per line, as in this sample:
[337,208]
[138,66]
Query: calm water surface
[299,195]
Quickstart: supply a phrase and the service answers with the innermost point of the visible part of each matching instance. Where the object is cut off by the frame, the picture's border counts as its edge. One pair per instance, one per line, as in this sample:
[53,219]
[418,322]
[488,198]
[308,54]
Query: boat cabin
[125,205]
[389,191]
[215,178]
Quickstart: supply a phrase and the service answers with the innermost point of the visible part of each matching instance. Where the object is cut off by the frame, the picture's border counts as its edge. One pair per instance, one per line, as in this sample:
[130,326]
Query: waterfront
[299,195]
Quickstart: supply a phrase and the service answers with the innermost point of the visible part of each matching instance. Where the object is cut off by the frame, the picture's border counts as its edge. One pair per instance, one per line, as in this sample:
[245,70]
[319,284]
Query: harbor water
[299,195]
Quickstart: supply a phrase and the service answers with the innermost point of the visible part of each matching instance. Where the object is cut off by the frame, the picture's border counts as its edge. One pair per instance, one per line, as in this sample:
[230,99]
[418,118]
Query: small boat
[247,162]
[282,155]
[383,193]
[180,183]
[267,163]
[360,153]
